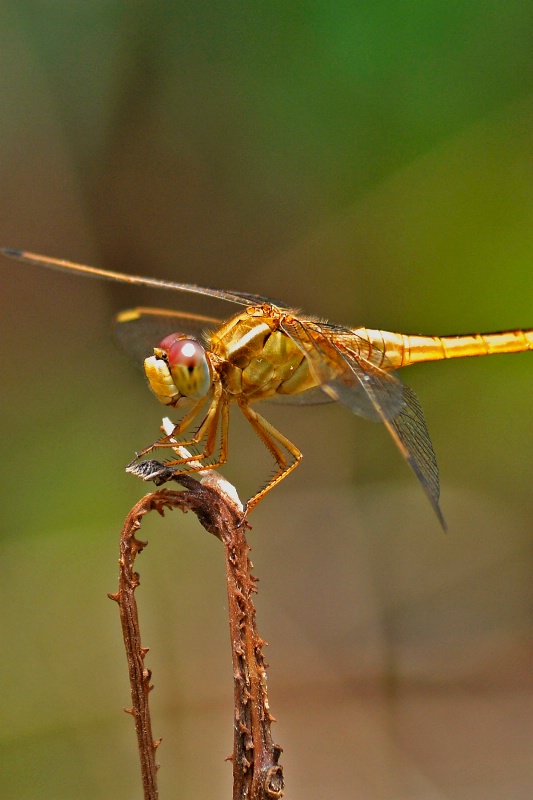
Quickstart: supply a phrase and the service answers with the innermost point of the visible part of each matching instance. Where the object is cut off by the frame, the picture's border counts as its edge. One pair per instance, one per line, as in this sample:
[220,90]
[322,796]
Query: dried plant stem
[135,652]
[256,772]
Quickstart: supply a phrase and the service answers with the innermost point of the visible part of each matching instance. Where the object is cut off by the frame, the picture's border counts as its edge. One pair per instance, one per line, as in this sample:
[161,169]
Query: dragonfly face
[268,352]
[178,370]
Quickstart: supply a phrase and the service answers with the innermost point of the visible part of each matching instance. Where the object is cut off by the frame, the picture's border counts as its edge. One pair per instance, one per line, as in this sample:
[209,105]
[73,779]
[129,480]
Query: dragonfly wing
[335,375]
[241,298]
[311,397]
[140,330]
[370,391]
[407,427]
[410,432]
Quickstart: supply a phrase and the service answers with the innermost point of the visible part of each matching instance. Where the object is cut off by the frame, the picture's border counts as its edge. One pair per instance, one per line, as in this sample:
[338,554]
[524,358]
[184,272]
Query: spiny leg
[271,438]
[217,413]
[209,429]
[178,429]
[170,439]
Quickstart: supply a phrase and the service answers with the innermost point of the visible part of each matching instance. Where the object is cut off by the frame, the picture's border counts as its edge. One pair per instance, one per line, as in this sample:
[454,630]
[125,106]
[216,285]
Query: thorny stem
[257,775]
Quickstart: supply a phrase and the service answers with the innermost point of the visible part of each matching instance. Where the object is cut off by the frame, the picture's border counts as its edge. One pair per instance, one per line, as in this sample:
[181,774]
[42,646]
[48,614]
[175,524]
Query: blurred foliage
[368,162]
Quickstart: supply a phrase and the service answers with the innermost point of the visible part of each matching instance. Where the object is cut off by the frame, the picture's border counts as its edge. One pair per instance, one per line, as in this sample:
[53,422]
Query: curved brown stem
[257,775]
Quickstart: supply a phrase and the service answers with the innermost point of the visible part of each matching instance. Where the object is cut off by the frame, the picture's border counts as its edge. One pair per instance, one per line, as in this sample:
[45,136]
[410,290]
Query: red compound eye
[182,352]
[165,343]
[188,365]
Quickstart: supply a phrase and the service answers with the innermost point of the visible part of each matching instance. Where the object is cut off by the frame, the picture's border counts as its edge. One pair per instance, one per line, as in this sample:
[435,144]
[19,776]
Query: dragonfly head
[178,369]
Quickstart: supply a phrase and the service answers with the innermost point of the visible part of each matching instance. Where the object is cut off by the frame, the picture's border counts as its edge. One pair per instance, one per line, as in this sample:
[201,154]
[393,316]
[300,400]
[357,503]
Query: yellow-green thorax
[256,359]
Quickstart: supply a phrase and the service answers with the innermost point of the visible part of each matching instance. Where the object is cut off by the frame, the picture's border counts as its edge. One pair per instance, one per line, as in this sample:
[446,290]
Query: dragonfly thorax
[257,359]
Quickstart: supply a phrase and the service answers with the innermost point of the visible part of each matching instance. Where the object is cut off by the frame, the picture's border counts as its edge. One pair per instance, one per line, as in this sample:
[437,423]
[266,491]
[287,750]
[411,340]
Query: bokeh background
[368,162]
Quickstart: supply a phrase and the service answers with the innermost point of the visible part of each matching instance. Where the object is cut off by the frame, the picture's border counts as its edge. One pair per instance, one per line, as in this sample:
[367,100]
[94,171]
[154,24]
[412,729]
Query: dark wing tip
[10,251]
[438,511]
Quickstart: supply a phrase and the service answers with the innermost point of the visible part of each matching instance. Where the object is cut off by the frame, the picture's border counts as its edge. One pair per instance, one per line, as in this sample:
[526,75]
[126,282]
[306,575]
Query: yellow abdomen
[401,349]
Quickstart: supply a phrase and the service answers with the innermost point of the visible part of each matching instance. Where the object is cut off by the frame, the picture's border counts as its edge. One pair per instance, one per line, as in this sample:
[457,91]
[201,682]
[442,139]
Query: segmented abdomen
[393,350]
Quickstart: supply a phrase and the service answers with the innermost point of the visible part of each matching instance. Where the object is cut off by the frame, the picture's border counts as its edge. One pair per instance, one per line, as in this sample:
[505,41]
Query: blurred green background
[370,163]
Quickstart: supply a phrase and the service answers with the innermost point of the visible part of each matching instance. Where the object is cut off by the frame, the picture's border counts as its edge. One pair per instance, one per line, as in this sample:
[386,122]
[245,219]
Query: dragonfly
[200,366]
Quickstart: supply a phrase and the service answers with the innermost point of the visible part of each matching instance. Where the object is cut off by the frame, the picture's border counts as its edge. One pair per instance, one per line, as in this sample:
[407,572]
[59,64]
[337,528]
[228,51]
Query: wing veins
[62,265]
[392,403]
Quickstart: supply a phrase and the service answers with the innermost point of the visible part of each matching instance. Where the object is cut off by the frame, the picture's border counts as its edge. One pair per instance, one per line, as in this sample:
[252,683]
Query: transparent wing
[140,330]
[241,298]
[328,363]
[311,397]
[407,427]
[370,391]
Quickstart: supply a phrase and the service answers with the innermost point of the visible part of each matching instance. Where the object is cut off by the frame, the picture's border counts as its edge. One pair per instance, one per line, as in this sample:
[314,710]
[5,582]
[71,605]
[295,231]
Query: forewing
[407,427]
[336,376]
[370,391]
[140,330]
[409,431]
[241,298]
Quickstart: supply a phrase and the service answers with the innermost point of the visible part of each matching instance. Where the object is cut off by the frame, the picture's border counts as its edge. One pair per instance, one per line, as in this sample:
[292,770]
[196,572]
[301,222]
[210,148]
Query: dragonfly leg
[217,415]
[209,429]
[178,429]
[271,438]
